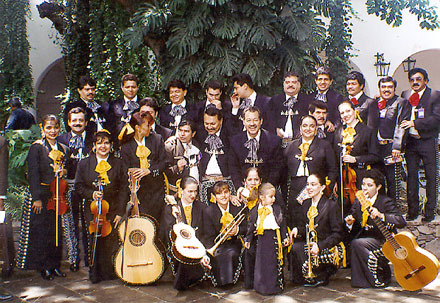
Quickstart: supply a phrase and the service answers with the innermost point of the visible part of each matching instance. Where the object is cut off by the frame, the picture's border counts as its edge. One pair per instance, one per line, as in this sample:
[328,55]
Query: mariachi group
[230,187]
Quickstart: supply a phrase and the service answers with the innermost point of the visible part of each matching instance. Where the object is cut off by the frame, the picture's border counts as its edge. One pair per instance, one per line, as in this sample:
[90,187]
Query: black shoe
[46,275]
[411,217]
[57,272]
[316,283]
[74,267]
[428,219]
[5,297]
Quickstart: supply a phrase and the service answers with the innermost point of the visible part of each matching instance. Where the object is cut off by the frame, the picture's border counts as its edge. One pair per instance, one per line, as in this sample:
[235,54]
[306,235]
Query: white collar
[83,134]
[140,143]
[420,93]
[99,159]
[324,93]
[222,210]
[287,96]
[306,141]
[253,97]
[134,99]
[183,104]
[373,199]
[184,204]
[256,137]
[268,206]
[358,95]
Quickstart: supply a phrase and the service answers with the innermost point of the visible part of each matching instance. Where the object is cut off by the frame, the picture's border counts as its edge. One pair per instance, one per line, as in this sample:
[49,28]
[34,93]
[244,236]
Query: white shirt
[303,169]
[127,100]
[191,154]
[222,210]
[213,169]
[140,143]
[288,129]
[256,137]
[269,222]
[357,96]
[252,97]
[412,131]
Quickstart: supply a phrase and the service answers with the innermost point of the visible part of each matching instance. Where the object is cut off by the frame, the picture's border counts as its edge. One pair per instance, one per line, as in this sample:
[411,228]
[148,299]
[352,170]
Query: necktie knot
[142,153]
[414,99]
[252,145]
[304,148]
[178,110]
[214,142]
[76,142]
[354,101]
[132,106]
[321,134]
[102,168]
[321,97]
[93,105]
[290,103]
[262,214]
[245,103]
[381,104]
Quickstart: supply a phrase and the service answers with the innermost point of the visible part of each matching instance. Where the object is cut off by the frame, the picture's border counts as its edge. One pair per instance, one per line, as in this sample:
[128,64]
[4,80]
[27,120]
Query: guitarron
[414,267]
[138,260]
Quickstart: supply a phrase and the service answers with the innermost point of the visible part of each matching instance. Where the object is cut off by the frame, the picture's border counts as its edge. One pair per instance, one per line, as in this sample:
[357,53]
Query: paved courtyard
[28,286]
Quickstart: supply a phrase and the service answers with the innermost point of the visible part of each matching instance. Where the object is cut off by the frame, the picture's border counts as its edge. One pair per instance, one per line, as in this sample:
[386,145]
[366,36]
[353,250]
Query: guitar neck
[386,233]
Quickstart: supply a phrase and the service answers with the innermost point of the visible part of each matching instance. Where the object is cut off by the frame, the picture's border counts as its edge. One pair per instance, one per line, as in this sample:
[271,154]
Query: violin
[99,225]
[348,179]
[63,207]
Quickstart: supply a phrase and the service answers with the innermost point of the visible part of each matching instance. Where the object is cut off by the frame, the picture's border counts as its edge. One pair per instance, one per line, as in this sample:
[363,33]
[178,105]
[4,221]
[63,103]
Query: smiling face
[77,123]
[418,82]
[313,186]
[348,114]
[130,89]
[323,82]
[189,193]
[353,87]
[308,128]
[369,187]
[252,123]
[102,147]
[291,85]
[223,197]
[386,90]
[51,129]
[87,93]
[212,124]
[177,95]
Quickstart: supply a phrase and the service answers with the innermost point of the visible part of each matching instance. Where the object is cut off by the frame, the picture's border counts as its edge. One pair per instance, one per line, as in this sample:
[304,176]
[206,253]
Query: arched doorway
[426,59]
[50,84]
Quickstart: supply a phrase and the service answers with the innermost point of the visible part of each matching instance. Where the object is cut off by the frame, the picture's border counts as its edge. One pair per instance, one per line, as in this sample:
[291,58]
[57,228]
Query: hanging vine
[15,71]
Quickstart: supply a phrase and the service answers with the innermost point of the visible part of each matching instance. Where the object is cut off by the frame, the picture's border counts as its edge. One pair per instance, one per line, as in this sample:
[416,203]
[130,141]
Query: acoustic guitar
[414,267]
[138,260]
[186,248]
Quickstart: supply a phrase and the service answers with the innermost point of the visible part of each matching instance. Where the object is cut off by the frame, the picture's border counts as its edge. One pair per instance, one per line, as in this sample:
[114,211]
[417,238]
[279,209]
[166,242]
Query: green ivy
[15,71]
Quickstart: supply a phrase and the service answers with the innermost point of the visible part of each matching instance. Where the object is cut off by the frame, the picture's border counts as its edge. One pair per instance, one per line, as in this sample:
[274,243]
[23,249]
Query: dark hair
[188,180]
[219,187]
[309,116]
[83,80]
[101,135]
[252,109]
[242,79]
[323,71]
[176,83]
[320,177]
[292,74]
[347,102]
[418,70]
[246,173]
[317,104]
[213,111]
[148,101]
[77,110]
[355,75]
[185,122]
[387,79]
[214,84]
[138,119]
[50,117]
[15,102]
[129,77]
[377,177]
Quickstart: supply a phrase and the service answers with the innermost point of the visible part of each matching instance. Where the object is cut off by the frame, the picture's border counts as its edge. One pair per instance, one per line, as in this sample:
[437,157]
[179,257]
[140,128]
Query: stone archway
[426,59]
[50,84]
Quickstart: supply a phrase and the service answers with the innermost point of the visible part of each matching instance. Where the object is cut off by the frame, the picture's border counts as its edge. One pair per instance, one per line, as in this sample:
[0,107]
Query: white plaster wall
[371,35]
[40,34]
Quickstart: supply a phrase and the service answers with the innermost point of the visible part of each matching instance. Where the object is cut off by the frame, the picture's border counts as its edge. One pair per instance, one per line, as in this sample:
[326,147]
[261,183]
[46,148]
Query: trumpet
[224,234]
[312,261]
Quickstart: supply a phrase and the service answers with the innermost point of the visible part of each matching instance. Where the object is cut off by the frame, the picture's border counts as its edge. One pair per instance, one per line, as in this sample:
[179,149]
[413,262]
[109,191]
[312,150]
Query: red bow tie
[414,99]
[354,101]
[381,104]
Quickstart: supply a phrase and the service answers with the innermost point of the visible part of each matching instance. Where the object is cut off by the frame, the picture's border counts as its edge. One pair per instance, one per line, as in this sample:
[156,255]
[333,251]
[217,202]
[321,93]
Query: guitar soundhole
[137,237]
[401,253]
[185,234]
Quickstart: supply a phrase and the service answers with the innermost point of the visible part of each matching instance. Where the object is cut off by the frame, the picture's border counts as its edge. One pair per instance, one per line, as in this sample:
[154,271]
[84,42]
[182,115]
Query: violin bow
[98,216]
